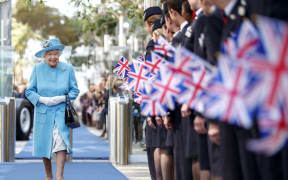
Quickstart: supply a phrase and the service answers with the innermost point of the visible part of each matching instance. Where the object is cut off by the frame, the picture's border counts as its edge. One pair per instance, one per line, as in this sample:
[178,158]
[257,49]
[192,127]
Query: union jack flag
[273,125]
[162,90]
[164,49]
[274,65]
[137,97]
[154,62]
[122,68]
[194,74]
[137,75]
[149,107]
[233,93]
[186,63]
[192,89]
[243,43]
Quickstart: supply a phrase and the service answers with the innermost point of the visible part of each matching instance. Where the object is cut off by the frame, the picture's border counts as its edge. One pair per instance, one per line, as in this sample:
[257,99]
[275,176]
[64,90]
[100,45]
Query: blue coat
[48,82]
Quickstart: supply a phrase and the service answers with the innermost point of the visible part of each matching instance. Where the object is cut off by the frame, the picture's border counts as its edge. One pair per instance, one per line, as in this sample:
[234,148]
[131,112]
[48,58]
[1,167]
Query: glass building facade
[6,64]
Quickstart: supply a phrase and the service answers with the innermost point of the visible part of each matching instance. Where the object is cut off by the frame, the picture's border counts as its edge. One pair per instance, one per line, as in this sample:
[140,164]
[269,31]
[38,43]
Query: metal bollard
[123,133]
[7,129]
[112,126]
[119,113]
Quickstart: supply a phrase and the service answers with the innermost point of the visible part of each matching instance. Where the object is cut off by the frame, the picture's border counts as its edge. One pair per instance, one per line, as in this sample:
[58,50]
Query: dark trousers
[274,167]
[182,164]
[238,162]
[150,151]
[150,156]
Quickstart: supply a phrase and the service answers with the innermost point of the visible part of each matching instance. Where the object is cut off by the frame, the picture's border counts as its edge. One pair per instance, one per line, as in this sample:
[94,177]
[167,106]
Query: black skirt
[169,142]
[150,134]
[160,136]
[156,137]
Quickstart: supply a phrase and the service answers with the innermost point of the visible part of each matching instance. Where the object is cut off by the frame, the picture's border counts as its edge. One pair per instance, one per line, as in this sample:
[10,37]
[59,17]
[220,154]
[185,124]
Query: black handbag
[71,117]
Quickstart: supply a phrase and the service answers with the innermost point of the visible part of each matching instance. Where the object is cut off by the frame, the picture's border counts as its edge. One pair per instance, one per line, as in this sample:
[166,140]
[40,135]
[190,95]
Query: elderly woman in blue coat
[50,81]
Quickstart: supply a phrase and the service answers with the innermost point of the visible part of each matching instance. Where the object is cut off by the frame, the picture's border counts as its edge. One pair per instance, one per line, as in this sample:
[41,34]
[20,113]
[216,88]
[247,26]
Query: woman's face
[148,26]
[52,58]
[168,35]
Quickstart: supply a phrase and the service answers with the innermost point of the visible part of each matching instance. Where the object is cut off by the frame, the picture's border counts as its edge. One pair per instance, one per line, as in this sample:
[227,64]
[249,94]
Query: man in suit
[175,10]
[182,151]
[200,124]
[188,41]
[183,166]
[170,24]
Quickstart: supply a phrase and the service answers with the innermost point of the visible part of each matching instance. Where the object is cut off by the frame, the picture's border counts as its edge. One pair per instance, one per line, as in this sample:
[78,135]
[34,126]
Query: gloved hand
[52,101]
[44,100]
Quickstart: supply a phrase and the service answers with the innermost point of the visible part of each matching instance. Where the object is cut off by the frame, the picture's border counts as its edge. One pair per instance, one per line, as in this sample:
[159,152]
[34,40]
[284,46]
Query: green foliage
[47,21]
[135,14]
[99,23]
[103,19]
[20,35]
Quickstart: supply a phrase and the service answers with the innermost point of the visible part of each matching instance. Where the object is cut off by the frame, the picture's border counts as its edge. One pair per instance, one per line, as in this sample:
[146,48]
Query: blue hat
[48,45]
[154,10]
[156,25]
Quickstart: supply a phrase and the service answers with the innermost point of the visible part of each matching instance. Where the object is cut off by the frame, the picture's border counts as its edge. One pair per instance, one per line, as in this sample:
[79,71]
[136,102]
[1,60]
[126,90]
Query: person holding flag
[150,15]
[183,153]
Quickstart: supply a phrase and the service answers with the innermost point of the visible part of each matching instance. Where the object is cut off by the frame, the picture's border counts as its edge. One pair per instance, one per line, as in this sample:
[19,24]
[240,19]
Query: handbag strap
[68,102]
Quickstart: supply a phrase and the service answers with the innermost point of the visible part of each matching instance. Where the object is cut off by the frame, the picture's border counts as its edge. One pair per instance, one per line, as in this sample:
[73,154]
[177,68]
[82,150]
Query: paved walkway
[135,171]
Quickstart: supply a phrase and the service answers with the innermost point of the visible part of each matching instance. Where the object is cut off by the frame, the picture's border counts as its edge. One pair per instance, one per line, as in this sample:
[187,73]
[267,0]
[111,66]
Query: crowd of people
[94,103]
[185,145]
